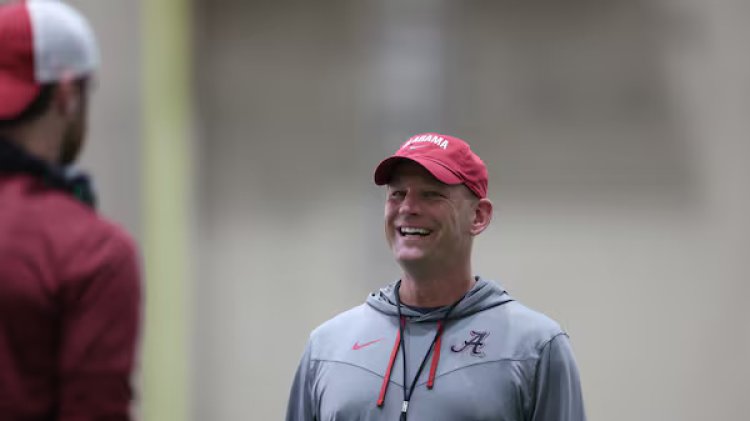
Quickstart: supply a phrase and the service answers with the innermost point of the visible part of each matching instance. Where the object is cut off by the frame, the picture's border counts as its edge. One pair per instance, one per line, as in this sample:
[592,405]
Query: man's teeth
[413,231]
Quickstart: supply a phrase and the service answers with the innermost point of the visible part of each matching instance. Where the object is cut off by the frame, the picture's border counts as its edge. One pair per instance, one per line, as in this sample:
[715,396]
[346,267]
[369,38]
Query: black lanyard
[402,322]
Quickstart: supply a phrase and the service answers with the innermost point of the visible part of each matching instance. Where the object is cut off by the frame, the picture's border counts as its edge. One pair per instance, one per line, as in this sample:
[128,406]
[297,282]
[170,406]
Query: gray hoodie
[495,360]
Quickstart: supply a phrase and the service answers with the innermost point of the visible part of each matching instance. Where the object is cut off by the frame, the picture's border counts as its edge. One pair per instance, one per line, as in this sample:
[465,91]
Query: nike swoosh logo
[357,345]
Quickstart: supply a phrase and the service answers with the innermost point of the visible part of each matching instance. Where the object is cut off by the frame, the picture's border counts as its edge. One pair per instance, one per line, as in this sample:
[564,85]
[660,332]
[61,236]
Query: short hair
[34,110]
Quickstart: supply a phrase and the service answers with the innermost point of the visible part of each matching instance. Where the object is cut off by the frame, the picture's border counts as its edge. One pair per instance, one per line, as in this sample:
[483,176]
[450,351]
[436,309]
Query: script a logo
[476,343]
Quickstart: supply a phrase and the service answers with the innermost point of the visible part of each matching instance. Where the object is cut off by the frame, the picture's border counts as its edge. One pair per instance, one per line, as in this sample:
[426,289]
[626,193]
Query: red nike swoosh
[357,346]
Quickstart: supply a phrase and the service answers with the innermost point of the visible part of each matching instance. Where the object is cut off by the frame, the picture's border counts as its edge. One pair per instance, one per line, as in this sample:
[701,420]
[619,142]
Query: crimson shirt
[70,297]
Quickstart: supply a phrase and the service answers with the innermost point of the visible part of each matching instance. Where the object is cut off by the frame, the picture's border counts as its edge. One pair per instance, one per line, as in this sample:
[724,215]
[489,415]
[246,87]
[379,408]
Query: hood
[485,294]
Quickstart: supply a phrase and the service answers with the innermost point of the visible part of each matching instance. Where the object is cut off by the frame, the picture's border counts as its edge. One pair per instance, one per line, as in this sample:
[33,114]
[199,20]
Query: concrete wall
[615,134]
[607,161]
[112,152]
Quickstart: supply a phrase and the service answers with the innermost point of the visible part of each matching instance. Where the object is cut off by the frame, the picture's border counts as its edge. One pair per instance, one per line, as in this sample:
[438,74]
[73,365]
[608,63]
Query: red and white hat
[40,42]
[447,158]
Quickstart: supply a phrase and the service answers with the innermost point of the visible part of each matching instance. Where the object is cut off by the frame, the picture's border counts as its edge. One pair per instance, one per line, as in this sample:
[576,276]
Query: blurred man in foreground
[69,280]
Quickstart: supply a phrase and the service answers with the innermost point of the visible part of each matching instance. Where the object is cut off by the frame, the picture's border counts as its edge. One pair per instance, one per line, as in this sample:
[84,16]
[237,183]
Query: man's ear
[67,97]
[482,216]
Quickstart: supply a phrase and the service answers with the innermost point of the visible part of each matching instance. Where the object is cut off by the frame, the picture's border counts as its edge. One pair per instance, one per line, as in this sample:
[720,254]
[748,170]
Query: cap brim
[384,170]
[16,95]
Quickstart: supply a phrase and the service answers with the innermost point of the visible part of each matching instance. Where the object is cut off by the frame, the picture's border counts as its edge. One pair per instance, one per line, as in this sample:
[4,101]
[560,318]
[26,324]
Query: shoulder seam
[545,343]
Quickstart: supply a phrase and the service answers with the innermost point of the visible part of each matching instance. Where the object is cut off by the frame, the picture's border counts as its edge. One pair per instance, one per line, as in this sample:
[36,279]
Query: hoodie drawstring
[436,342]
[436,356]
[387,378]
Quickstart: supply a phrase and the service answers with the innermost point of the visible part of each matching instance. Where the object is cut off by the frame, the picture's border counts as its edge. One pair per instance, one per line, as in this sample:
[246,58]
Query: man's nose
[411,203]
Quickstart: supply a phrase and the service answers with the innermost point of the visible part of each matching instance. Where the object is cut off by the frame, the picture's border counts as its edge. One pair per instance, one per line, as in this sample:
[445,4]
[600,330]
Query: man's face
[427,223]
[75,131]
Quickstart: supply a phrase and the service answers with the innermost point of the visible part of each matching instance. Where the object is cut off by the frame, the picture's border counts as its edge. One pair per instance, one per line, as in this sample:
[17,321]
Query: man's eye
[433,194]
[396,194]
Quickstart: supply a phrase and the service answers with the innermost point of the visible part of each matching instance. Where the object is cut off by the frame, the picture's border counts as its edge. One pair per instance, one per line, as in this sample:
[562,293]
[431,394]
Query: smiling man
[440,344]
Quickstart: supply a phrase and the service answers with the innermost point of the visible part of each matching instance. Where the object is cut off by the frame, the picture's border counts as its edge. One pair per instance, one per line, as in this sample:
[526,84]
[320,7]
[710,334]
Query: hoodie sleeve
[557,388]
[300,406]
[100,326]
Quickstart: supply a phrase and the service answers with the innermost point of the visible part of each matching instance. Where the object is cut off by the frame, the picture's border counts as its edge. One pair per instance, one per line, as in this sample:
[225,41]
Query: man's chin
[410,258]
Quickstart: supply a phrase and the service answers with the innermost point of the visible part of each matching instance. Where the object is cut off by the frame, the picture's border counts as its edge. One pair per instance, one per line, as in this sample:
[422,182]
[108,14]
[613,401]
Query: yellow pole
[166,157]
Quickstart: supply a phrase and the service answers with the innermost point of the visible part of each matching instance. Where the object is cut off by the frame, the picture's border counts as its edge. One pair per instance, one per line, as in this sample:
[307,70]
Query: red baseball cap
[40,42]
[447,158]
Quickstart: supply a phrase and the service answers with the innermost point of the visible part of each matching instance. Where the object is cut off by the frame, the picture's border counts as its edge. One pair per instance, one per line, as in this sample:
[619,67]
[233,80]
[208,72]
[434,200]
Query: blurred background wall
[616,137]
